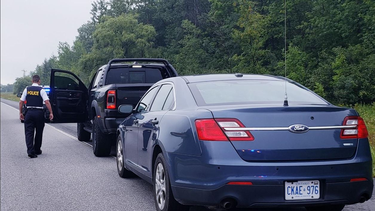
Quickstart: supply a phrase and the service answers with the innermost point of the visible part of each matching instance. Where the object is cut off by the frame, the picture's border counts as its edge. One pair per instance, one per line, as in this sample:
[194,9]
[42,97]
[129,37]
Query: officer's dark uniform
[34,119]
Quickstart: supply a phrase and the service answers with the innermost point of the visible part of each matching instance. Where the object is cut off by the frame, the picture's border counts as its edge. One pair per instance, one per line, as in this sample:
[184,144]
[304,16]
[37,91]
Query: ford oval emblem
[298,128]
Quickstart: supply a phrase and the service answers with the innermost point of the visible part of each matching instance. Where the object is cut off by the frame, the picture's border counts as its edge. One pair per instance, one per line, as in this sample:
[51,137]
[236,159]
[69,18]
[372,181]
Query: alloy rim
[120,157]
[160,186]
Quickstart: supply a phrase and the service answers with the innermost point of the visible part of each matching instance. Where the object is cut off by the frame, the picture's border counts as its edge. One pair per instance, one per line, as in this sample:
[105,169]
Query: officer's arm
[22,101]
[20,108]
[48,105]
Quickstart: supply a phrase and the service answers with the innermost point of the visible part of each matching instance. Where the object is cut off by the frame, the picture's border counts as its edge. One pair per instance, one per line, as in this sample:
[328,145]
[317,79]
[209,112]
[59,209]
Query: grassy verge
[9,96]
[373,159]
[366,111]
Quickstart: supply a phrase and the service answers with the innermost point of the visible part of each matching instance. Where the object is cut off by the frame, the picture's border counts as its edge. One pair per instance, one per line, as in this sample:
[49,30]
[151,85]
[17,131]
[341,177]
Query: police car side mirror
[125,108]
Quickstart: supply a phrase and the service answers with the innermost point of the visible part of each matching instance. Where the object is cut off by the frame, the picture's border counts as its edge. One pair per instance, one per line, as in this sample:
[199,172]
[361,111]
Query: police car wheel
[164,199]
[120,160]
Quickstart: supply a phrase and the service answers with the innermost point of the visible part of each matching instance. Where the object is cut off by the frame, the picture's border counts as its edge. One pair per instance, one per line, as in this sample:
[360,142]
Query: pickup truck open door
[68,97]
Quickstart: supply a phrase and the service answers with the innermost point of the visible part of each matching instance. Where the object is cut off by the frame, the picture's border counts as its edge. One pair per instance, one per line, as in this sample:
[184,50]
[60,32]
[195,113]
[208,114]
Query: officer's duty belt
[33,107]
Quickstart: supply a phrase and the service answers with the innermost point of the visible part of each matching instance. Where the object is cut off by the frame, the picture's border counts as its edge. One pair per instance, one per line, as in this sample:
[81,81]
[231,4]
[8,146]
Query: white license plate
[302,190]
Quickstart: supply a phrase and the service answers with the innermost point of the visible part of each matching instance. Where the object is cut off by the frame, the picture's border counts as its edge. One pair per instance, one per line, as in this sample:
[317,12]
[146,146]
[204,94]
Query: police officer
[34,96]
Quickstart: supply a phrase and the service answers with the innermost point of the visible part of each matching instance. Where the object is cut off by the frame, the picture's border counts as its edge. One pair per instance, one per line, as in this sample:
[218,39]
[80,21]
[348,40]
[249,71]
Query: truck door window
[97,78]
[66,81]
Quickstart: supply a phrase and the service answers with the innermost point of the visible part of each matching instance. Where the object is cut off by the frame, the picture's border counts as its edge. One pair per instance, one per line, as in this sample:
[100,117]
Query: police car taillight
[217,130]
[111,99]
[359,132]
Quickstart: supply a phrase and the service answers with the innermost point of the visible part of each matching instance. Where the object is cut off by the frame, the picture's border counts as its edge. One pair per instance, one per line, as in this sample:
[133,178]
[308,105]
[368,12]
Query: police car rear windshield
[252,92]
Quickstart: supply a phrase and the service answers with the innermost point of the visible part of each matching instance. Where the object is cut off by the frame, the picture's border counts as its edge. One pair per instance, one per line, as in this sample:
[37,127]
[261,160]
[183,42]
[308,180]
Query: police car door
[68,97]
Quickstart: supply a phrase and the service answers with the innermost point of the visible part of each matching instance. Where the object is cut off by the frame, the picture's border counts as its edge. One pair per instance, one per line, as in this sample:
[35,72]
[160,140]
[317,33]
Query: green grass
[373,159]
[9,96]
[367,112]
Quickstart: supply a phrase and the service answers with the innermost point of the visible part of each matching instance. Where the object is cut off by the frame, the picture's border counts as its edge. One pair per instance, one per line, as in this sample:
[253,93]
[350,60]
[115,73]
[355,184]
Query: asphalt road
[67,176]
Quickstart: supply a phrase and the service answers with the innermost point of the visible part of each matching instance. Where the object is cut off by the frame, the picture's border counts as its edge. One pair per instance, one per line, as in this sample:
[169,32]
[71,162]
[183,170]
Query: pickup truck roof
[138,70]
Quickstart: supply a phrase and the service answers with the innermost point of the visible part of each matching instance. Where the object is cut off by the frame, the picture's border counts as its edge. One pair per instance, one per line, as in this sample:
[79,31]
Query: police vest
[33,97]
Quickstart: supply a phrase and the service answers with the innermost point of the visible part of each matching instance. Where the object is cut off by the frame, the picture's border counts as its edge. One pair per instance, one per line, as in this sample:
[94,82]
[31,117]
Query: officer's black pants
[34,123]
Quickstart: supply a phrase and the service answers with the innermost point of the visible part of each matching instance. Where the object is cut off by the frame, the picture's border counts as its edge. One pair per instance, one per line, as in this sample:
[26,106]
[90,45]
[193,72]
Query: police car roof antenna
[286,93]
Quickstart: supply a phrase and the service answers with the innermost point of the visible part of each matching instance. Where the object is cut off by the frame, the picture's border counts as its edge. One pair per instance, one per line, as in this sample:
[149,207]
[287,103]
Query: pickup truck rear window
[133,75]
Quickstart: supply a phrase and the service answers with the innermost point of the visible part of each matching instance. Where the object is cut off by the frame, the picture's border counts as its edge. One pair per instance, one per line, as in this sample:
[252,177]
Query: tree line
[329,44]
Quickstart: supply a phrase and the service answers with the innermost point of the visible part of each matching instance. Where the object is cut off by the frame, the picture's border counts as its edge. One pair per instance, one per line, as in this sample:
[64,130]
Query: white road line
[75,138]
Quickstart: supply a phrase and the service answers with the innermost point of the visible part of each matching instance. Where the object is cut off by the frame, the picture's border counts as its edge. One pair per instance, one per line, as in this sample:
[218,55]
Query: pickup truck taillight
[111,99]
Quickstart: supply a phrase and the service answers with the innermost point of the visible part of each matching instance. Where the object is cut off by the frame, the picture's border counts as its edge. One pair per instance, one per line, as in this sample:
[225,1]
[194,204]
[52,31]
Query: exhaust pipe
[364,197]
[228,203]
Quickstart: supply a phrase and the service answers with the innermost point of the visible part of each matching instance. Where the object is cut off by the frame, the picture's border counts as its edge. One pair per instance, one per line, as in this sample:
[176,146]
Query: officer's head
[36,79]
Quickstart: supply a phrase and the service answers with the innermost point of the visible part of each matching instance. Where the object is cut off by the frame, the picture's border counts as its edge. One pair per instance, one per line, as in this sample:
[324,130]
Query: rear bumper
[111,124]
[273,195]
[204,180]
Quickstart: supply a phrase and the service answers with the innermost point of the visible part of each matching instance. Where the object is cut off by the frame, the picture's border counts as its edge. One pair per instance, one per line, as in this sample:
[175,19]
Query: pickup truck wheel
[120,160]
[82,134]
[101,143]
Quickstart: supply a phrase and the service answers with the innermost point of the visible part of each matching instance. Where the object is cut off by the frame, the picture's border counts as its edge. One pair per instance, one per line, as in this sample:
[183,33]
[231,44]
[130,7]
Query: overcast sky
[32,29]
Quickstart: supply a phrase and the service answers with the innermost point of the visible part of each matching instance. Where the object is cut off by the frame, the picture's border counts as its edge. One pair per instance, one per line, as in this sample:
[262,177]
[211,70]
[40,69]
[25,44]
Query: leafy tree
[329,44]
[21,84]
[353,80]
[167,16]
[123,36]
[88,64]
[297,62]
[7,88]
[334,23]
[44,70]
[251,36]
[191,55]
[118,37]
[219,26]
[68,58]
[119,7]
[85,36]
[98,11]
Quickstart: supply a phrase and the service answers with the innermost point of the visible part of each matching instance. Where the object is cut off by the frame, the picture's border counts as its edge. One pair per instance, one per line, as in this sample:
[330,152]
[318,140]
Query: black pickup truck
[121,81]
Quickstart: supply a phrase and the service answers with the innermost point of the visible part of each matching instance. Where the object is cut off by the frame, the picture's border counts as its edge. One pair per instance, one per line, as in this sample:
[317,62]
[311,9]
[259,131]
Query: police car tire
[100,142]
[161,178]
[122,171]
[82,134]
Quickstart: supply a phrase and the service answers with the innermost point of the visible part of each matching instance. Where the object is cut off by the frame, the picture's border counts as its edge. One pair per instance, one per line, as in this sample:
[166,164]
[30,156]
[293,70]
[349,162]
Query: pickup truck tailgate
[130,95]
